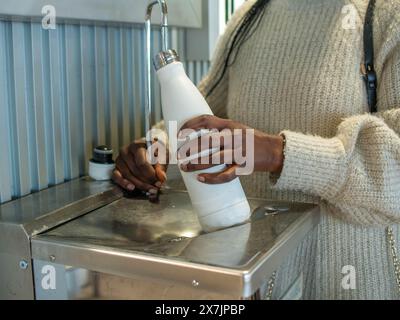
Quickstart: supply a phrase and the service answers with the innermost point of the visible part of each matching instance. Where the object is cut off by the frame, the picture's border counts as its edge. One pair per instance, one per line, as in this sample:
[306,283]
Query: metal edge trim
[132,265]
[72,211]
[292,237]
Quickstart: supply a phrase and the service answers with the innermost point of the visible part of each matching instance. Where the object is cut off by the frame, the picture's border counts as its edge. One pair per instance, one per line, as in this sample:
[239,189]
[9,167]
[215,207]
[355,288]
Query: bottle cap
[165,58]
[101,166]
[103,155]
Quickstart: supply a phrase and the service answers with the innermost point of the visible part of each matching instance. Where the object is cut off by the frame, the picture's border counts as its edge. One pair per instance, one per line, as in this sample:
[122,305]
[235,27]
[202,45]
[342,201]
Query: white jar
[101,166]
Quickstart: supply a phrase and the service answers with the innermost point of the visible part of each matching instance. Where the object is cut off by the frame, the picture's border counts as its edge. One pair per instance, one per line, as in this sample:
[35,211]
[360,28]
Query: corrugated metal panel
[64,91]
[196,70]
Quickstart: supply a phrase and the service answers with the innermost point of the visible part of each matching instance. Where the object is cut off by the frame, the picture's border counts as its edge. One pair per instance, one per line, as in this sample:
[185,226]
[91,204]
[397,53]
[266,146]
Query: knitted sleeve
[217,98]
[358,170]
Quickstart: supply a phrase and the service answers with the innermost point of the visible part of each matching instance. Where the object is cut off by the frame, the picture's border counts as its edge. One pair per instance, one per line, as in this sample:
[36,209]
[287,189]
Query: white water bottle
[217,206]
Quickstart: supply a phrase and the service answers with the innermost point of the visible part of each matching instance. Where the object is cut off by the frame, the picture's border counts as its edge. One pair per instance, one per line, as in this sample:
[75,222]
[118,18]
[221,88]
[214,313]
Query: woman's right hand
[134,171]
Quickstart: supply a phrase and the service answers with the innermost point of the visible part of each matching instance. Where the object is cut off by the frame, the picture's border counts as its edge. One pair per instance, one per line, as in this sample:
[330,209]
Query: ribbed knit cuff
[312,164]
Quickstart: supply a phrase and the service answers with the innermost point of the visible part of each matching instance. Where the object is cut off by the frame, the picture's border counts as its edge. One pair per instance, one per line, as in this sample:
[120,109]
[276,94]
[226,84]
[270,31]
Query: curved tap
[164,37]
[164,21]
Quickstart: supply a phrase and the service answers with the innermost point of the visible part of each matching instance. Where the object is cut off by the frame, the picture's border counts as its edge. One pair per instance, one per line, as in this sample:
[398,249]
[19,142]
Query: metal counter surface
[132,237]
[36,208]
[28,216]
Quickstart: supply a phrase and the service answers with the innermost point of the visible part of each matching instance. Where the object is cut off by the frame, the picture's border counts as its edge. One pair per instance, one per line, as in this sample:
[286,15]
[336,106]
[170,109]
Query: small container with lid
[102,165]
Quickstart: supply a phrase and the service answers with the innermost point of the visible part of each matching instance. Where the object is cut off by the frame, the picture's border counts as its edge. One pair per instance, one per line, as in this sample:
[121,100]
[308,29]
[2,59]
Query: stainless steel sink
[131,248]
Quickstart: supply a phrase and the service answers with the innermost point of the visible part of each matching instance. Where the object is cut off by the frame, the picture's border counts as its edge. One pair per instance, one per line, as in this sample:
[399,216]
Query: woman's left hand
[229,142]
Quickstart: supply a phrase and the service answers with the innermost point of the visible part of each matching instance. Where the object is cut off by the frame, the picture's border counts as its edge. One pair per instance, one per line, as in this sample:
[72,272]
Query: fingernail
[158,184]
[153,191]
[130,187]
[201,179]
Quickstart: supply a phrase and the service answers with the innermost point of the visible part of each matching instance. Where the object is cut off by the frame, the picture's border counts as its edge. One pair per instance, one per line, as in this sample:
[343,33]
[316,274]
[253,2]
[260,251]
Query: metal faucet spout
[164,37]
[164,20]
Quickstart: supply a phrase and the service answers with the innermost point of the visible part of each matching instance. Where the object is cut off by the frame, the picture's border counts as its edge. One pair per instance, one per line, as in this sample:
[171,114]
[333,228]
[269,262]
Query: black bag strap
[368,69]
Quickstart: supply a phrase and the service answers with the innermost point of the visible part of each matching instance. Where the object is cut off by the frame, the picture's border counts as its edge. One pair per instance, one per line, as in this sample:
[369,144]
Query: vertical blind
[66,90]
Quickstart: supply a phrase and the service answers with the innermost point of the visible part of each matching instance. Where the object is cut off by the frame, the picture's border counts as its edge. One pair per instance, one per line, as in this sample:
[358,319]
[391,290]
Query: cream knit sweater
[299,74]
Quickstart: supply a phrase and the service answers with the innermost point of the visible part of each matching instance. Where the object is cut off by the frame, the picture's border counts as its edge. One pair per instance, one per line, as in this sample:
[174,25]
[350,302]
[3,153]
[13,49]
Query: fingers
[160,171]
[121,181]
[221,157]
[190,167]
[137,144]
[144,169]
[127,157]
[211,142]
[133,170]
[199,145]
[220,177]
[127,175]
[159,153]
[206,122]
